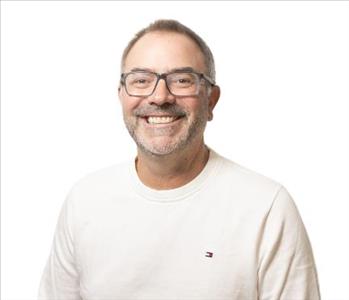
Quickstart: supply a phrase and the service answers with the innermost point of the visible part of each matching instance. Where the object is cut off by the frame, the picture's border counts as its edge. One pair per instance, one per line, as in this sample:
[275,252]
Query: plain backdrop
[283,69]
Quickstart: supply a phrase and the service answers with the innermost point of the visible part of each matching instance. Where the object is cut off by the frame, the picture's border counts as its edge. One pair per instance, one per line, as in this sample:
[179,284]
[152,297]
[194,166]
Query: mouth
[154,120]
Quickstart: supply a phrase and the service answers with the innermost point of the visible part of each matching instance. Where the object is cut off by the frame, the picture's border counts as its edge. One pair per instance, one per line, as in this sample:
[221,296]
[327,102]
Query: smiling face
[162,123]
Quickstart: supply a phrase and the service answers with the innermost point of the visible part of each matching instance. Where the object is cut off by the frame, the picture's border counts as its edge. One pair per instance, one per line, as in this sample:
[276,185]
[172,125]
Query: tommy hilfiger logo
[209,254]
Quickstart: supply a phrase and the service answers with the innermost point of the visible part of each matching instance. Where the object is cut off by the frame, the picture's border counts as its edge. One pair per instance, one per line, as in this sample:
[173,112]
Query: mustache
[171,109]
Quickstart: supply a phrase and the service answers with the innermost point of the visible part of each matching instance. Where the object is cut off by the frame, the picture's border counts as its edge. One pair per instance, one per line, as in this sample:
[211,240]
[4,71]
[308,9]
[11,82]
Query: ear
[119,92]
[212,100]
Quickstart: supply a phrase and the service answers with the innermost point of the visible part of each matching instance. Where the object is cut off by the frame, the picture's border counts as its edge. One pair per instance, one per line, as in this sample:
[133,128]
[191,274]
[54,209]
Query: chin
[159,150]
[160,145]
[163,145]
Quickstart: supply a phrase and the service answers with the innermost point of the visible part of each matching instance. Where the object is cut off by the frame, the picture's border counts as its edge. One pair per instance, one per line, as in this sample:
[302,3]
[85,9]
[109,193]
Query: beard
[191,129]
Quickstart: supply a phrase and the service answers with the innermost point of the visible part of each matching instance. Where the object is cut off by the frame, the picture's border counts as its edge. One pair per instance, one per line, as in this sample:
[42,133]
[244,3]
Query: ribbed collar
[179,193]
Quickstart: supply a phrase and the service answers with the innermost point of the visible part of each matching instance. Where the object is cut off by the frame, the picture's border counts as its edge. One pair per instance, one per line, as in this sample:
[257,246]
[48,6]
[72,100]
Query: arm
[60,280]
[286,264]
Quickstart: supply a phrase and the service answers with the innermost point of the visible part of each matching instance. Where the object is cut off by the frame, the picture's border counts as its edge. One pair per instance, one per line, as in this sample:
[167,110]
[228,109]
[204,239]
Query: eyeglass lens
[180,84]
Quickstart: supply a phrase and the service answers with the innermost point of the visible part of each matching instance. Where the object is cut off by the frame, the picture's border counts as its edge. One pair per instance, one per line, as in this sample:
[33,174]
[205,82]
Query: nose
[161,94]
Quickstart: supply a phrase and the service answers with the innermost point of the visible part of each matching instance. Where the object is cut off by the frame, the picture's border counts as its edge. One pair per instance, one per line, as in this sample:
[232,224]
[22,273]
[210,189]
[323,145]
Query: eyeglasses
[179,83]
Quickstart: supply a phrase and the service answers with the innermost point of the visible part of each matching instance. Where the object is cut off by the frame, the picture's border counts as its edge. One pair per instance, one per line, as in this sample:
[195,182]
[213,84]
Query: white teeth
[160,120]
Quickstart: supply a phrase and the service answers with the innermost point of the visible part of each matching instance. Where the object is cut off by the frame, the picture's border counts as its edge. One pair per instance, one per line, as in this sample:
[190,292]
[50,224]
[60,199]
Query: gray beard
[196,128]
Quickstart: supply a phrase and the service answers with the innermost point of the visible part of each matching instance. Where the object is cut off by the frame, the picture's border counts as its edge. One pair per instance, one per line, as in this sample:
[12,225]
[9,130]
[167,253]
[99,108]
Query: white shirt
[230,233]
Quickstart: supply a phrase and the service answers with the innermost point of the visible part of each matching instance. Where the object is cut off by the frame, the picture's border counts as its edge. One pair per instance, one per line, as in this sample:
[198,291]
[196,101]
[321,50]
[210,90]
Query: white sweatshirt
[228,234]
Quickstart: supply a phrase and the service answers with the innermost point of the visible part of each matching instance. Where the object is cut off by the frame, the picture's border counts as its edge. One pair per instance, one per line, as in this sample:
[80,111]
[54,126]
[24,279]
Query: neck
[173,170]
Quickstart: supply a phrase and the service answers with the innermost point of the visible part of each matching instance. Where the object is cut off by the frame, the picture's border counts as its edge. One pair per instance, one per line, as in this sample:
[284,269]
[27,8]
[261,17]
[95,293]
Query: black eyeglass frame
[164,77]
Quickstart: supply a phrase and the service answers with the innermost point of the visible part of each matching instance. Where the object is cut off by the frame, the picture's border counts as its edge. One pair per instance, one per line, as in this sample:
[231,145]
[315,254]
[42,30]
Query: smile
[161,120]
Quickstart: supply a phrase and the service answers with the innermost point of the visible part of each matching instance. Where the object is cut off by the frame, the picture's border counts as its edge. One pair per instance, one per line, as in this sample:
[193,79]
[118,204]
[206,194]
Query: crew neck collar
[176,194]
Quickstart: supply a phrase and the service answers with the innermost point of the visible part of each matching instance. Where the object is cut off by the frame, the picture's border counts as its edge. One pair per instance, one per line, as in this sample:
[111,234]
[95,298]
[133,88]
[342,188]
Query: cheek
[196,108]
[127,108]
[127,104]
[201,107]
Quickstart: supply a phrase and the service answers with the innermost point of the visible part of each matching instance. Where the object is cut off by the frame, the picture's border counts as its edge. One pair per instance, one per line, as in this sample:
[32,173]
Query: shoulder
[243,178]
[100,184]
[256,198]
[247,187]
[104,175]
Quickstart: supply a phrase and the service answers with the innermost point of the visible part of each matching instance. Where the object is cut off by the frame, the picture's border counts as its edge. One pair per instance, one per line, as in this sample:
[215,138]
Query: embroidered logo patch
[209,254]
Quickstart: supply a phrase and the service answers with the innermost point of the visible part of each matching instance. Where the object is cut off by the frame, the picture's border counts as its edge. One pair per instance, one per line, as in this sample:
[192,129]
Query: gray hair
[175,26]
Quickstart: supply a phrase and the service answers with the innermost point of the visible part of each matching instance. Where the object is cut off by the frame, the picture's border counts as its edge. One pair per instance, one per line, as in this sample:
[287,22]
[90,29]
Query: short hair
[177,27]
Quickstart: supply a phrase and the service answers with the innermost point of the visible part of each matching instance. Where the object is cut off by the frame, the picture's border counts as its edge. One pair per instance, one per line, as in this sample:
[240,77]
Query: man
[179,221]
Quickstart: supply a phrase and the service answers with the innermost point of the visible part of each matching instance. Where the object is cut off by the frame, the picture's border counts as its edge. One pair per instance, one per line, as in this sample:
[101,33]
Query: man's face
[162,123]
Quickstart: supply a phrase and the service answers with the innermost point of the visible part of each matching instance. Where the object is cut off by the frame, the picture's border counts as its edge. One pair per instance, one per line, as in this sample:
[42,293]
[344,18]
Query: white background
[283,68]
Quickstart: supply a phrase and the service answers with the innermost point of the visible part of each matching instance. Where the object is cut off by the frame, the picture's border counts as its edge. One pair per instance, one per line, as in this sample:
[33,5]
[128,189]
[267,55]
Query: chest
[172,253]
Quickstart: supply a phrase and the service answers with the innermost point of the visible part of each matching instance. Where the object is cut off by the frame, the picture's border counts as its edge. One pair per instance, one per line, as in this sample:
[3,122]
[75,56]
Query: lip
[175,122]
[160,115]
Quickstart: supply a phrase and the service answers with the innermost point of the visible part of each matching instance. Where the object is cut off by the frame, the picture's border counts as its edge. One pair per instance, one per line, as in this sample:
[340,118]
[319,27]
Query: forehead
[164,51]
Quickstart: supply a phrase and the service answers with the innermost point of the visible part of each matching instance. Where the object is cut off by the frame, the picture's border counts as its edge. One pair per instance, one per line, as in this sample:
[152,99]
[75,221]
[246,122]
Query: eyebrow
[183,69]
[141,70]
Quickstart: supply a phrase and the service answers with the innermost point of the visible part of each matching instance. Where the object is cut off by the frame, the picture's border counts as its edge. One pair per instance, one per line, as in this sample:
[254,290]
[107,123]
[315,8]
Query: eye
[140,81]
[184,80]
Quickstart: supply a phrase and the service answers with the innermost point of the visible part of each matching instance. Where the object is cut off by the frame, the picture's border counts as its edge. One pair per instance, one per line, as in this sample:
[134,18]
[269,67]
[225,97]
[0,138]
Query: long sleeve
[286,264]
[60,280]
